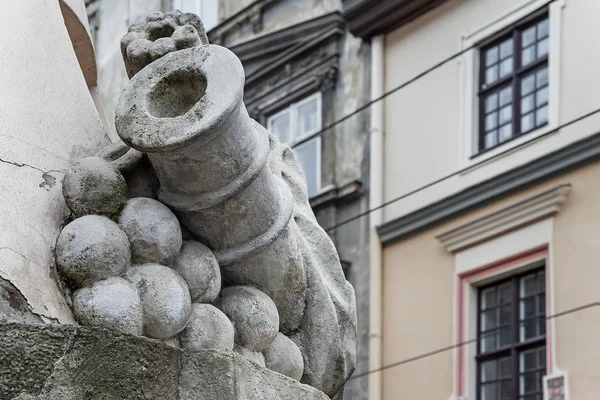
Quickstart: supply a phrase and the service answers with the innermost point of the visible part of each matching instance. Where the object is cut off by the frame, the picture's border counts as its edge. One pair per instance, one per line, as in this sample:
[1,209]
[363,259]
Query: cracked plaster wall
[47,121]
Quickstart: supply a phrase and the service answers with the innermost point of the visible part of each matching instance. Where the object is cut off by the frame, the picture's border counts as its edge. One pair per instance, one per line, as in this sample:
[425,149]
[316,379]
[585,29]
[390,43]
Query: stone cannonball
[93,186]
[208,328]
[152,229]
[200,269]
[92,248]
[253,314]
[166,301]
[113,303]
[283,356]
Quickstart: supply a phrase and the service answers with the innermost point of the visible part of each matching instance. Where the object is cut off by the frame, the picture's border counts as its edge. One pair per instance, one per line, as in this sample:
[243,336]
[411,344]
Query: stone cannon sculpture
[197,229]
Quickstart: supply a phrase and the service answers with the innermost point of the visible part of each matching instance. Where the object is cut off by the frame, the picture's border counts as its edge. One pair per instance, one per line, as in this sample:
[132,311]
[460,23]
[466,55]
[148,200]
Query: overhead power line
[460,171]
[470,341]
[402,85]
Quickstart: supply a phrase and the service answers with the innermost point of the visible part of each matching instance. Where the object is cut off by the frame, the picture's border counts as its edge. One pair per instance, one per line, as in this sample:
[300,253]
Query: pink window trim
[464,280]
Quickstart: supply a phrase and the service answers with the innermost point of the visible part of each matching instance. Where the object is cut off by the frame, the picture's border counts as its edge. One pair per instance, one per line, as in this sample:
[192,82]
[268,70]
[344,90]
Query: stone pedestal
[72,363]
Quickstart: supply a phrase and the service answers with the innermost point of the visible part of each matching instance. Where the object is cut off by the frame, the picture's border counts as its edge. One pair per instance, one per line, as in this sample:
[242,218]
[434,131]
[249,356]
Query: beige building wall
[48,120]
[430,125]
[419,296]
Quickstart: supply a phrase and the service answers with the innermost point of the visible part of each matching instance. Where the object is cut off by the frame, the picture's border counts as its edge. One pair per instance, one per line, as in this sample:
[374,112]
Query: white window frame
[199,9]
[504,247]
[469,80]
[292,109]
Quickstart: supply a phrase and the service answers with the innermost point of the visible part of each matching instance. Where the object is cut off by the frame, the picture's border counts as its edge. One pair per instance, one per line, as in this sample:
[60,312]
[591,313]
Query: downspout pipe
[376,218]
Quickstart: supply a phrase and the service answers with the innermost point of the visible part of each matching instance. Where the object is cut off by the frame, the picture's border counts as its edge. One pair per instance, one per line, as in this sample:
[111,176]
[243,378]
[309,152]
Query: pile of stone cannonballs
[131,271]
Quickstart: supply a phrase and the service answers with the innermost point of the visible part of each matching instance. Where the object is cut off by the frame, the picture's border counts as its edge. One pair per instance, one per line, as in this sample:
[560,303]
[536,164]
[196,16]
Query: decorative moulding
[368,18]
[560,161]
[507,219]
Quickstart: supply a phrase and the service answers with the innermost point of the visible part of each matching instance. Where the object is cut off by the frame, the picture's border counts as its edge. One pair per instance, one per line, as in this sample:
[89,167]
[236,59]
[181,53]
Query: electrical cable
[447,348]
[463,170]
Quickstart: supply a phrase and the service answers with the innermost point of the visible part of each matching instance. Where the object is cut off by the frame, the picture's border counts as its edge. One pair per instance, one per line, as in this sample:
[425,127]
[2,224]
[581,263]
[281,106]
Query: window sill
[486,156]
[332,194]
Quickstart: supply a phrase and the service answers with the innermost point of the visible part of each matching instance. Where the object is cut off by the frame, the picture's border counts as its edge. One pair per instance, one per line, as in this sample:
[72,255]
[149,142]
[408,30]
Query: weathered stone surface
[165,298]
[159,34]
[92,248]
[243,194]
[112,303]
[283,356]
[152,230]
[199,268]
[74,363]
[93,186]
[208,328]
[255,356]
[253,314]
[52,362]
[13,305]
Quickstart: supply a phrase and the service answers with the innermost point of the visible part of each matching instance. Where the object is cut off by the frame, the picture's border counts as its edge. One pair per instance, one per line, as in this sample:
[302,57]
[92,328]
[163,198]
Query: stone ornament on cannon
[196,230]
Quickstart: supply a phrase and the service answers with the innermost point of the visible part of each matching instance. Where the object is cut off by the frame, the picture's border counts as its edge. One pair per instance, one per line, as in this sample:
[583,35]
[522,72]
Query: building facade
[304,71]
[490,158]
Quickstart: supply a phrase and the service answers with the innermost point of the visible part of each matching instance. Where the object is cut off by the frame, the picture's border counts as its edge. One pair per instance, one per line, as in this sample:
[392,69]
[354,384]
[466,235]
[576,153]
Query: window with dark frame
[513,89]
[511,350]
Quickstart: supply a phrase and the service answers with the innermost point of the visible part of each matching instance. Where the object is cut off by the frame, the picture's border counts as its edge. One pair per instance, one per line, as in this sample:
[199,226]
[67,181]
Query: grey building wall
[323,56]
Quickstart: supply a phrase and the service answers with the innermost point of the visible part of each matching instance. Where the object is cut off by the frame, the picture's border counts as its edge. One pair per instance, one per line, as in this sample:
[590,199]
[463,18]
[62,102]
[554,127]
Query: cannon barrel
[186,112]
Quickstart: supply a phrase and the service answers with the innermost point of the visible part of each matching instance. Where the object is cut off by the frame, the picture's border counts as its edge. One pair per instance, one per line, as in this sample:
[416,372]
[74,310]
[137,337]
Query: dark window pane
[488,391]
[531,397]
[504,337]
[506,49]
[528,55]
[491,74]
[527,123]
[528,286]
[489,371]
[530,382]
[505,293]
[542,281]
[488,341]
[542,78]
[541,115]
[529,329]
[491,56]
[528,308]
[542,29]
[505,390]
[529,360]
[491,102]
[488,320]
[527,85]
[505,315]
[541,97]
[542,356]
[542,305]
[542,48]
[542,326]
[527,103]
[528,36]
[505,96]
[505,367]
[488,297]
